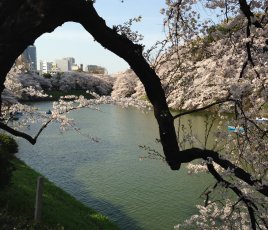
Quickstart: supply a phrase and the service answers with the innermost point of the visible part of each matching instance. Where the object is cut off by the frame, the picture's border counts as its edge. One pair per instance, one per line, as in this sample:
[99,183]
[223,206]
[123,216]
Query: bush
[9,221]
[47,75]
[8,148]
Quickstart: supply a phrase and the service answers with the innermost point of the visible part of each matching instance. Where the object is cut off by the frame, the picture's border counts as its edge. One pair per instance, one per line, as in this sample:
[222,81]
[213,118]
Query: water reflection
[109,177]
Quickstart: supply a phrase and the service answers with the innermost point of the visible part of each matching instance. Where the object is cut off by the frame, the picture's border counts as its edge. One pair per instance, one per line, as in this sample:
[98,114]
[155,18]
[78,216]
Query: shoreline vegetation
[126,85]
[60,210]
[54,95]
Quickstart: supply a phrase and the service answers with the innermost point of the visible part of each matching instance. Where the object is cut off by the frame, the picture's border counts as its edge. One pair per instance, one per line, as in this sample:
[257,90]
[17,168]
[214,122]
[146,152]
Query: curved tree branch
[189,155]
[86,15]
[17,133]
[38,17]
[26,136]
[203,108]
[30,19]
[249,204]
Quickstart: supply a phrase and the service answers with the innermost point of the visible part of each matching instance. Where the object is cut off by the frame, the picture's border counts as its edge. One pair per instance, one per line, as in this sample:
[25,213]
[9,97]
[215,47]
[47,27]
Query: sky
[71,39]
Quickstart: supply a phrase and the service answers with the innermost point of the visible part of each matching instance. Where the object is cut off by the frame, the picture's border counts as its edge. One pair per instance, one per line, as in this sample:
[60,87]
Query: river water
[109,176]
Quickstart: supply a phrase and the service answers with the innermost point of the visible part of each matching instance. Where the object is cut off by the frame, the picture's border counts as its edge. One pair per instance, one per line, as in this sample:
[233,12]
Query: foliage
[60,210]
[8,147]
[8,221]
[30,86]
[125,30]
[82,81]
[225,64]
[47,75]
[55,95]
[124,85]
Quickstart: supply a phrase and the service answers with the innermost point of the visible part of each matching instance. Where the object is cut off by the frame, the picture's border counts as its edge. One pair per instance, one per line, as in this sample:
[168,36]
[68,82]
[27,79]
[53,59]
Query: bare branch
[189,155]
[17,133]
[245,8]
[203,108]
[249,204]
[41,129]
[22,134]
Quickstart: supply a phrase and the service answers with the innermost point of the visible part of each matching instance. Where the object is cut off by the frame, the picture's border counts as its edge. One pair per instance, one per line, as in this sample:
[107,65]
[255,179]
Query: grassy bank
[60,210]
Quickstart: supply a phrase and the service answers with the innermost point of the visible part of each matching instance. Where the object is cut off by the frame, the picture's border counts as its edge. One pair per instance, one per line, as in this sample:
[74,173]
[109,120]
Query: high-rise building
[71,60]
[29,55]
[65,64]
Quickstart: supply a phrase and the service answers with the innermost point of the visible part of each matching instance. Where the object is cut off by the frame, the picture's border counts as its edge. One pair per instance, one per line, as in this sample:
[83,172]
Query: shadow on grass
[60,208]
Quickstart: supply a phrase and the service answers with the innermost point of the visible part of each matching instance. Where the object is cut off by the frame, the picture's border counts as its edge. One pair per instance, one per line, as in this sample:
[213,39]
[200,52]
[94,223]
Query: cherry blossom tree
[125,84]
[194,47]
[226,64]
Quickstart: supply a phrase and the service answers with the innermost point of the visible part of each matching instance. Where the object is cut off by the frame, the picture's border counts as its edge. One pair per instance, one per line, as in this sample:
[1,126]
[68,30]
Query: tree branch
[42,129]
[17,133]
[245,8]
[203,108]
[22,134]
[249,204]
[85,14]
[16,35]
[189,155]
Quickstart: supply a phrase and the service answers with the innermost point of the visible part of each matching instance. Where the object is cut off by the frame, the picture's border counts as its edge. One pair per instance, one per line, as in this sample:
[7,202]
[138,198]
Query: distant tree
[240,168]
[94,69]
[47,75]
[125,84]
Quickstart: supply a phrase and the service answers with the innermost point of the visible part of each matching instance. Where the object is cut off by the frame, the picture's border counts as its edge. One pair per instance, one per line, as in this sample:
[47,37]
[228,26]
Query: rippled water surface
[108,176]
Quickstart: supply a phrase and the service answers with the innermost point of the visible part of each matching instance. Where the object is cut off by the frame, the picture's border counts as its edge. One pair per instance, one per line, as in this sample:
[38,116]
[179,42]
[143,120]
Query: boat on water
[15,116]
[48,112]
[235,129]
[261,119]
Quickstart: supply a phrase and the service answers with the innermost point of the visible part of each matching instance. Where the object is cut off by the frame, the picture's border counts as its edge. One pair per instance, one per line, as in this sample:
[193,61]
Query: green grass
[60,210]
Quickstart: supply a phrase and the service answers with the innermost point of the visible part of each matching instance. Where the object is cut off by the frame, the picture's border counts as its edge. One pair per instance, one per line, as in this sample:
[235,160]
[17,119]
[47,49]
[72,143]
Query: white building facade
[45,67]
[65,64]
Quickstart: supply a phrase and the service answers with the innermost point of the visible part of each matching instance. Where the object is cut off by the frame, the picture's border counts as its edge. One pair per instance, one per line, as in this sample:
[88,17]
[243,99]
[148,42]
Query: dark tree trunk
[24,21]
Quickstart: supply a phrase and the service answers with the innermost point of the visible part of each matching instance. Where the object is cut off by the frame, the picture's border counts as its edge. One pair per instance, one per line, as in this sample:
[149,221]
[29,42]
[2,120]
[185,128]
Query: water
[108,176]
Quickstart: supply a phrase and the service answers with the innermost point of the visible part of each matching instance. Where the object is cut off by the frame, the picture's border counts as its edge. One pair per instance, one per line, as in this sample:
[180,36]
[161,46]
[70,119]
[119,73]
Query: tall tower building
[71,60]
[29,56]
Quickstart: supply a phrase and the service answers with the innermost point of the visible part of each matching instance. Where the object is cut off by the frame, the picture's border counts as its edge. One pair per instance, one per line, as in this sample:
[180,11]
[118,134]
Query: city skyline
[67,64]
[71,39]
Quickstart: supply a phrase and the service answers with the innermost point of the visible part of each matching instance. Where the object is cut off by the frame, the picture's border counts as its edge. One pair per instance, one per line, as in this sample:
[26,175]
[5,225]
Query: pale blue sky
[71,40]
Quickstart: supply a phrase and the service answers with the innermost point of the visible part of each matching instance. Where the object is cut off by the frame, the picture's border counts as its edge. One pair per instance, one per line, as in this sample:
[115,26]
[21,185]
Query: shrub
[9,221]
[47,75]
[8,147]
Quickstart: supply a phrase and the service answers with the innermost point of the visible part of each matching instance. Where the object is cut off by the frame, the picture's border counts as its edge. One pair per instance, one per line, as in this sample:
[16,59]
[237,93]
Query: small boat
[48,112]
[18,113]
[261,119]
[235,129]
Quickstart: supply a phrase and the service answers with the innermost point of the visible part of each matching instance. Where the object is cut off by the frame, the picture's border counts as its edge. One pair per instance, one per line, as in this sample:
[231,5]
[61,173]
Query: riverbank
[55,95]
[60,210]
